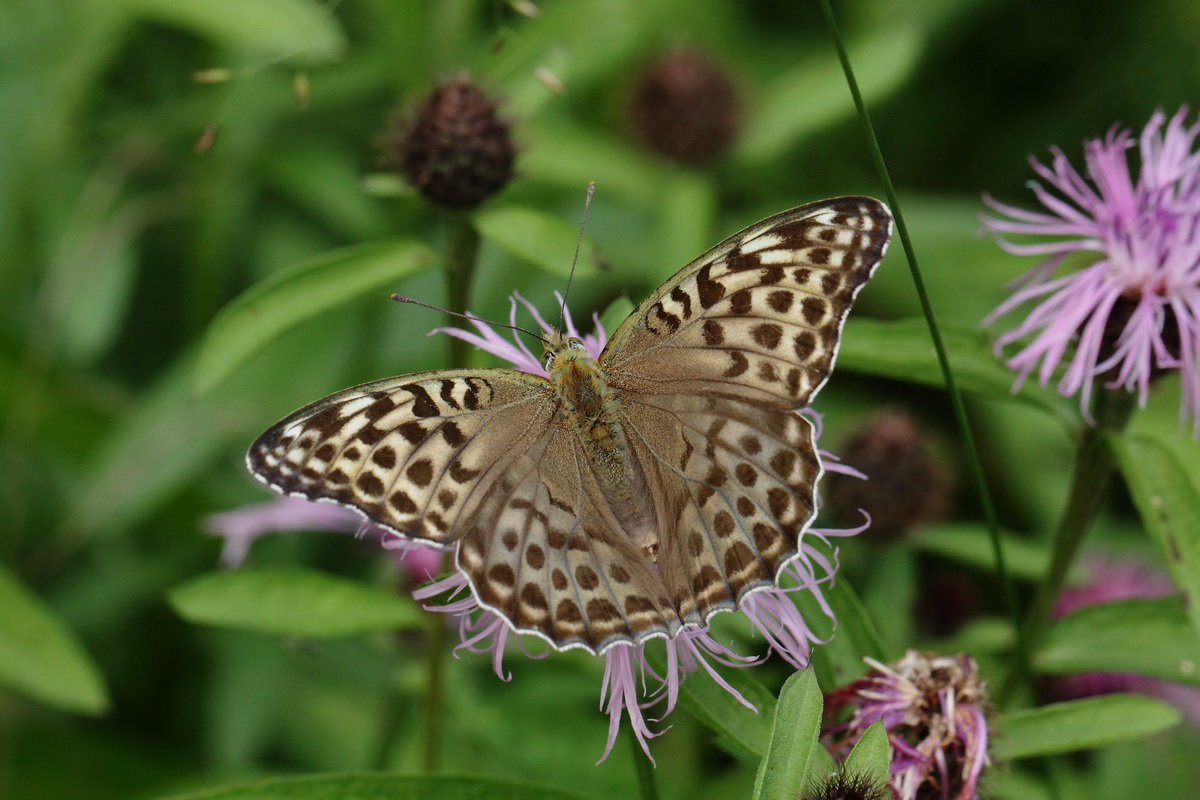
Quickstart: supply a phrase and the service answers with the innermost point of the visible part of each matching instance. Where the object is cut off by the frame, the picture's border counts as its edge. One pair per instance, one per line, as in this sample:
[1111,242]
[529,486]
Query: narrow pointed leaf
[292,601]
[784,772]
[40,657]
[871,756]
[539,238]
[1169,503]
[1146,636]
[1080,724]
[287,298]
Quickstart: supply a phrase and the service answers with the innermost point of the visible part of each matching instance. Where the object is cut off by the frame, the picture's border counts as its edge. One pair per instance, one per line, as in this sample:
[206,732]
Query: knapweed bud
[906,486]
[842,786]
[685,107]
[455,149]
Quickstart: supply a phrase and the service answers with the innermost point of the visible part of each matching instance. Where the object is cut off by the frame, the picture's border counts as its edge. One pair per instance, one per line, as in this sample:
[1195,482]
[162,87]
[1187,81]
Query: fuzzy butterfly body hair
[624,497]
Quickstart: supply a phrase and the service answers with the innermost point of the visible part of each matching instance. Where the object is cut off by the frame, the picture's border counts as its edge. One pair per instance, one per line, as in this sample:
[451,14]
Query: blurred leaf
[972,544]
[92,318]
[40,656]
[326,181]
[784,771]
[1146,636]
[746,733]
[289,297]
[902,349]
[569,156]
[540,238]
[852,635]
[1080,724]
[615,314]
[375,786]
[303,30]
[687,216]
[871,756]
[1169,504]
[292,601]
[814,95]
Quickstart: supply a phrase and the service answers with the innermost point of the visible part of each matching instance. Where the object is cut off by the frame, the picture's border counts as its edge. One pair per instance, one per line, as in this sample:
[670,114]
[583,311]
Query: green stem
[1091,474]
[974,465]
[435,656]
[461,254]
[645,772]
[393,707]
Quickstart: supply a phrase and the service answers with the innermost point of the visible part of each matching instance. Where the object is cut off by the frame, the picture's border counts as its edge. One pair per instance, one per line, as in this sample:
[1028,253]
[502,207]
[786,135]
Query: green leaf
[853,636]
[1080,724]
[783,773]
[902,349]
[377,786]
[1169,504]
[871,756]
[539,238]
[40,656]
[743,732]
[972,544]
[813,95]
[615,314]
[1147,636]
[292,601]
[289,297]
[303,30]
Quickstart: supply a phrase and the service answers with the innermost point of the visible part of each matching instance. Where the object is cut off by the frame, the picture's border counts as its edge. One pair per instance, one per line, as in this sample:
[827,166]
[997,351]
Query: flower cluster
[631,683]
[933,709]
[1134,311]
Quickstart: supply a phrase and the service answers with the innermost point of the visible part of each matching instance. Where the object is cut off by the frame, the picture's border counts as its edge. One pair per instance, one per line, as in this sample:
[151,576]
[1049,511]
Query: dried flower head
[1134,311]
[933,709]
[684,106]
[908,485]
[455,149]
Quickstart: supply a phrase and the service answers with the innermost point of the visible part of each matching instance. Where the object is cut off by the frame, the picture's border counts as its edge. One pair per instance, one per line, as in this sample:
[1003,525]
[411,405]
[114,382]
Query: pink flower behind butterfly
[1134,311]
[628,672]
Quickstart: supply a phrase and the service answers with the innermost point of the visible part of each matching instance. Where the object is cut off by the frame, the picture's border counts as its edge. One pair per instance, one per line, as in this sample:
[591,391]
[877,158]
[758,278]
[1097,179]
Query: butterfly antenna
[403,298]
[587,201]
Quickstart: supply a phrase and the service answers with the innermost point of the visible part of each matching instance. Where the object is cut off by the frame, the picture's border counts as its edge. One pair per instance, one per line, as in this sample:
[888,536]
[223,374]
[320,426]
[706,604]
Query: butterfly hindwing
[408,453]
[545,551]
[735,485]
[759,315]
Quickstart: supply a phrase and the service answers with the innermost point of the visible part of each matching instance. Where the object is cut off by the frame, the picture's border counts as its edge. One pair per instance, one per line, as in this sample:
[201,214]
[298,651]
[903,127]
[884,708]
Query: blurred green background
[120,243]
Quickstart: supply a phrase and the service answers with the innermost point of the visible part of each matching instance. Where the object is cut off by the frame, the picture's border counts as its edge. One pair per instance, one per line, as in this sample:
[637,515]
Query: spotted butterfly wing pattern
[686,488]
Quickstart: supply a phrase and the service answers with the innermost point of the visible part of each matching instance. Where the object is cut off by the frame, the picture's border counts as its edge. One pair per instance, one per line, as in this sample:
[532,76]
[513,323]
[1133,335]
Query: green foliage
[784,770]
[40,657]
[1081,724]
[367,786]
[871,756]
[292,601]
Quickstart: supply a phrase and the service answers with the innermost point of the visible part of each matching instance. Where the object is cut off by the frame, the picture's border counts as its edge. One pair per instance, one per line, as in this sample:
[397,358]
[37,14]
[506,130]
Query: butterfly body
[623,496]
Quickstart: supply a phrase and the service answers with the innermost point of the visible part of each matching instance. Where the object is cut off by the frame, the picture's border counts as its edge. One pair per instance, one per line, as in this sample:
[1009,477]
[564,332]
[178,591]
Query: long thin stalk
[435,657]
[461,254]
[1091,475]
[647,789]
[960,412]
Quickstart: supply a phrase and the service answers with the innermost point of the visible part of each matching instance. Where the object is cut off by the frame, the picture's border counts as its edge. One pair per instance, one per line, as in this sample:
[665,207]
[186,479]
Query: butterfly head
[560,351]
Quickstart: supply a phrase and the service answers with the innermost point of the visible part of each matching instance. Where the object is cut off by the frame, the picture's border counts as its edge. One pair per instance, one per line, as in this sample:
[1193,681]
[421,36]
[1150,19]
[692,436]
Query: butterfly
[624,497]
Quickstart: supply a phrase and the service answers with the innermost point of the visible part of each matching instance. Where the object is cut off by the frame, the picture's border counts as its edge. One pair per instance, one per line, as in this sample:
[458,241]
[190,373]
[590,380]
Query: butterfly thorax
[591,408]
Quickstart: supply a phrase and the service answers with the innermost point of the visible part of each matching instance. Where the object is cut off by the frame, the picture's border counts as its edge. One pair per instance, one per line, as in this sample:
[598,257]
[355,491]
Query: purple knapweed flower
[933,709]
[1134,311]
[1109,579]
[631,683]
[240,527]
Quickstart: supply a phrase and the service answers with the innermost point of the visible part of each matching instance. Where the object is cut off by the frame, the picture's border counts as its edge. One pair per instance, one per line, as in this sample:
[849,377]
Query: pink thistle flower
[1134,312]
[241,527]
[933,709]
[1108,580]
[631,684]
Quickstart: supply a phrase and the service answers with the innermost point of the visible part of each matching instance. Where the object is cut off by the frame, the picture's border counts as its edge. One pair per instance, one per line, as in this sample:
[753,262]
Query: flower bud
[455,149]
[684,106]
[906,486]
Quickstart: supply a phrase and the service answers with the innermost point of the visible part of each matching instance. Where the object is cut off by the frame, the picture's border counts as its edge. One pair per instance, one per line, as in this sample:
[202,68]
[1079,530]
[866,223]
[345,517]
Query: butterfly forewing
[408,453]
[759,315]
